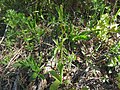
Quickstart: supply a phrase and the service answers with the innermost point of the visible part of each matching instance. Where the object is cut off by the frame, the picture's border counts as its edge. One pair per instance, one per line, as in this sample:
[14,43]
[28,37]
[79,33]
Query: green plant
[62,57]
[106,26]
[115,55]
[58,77]
[105,30]
[118,79]
[98,9]
[32,67]
[23,29]
[59,51]
[59,54]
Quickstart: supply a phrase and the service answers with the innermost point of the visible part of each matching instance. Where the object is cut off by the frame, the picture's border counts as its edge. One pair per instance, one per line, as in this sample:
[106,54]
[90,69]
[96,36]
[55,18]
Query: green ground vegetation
[59,44]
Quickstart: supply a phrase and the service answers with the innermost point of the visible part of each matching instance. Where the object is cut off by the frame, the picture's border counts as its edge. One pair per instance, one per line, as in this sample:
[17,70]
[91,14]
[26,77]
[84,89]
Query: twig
[12,59]
[4,34]
[114,7]
[15,85]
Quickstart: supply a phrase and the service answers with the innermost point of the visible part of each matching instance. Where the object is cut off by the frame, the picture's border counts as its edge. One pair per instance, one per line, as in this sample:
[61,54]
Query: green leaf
[34,75]
[55,51]
[55,41]
[60,67]
[80,37]
[55,85]
[41,76]
[85,33]
[117,14]
[84,88]
[60,12]
[63,40]
[55,75]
